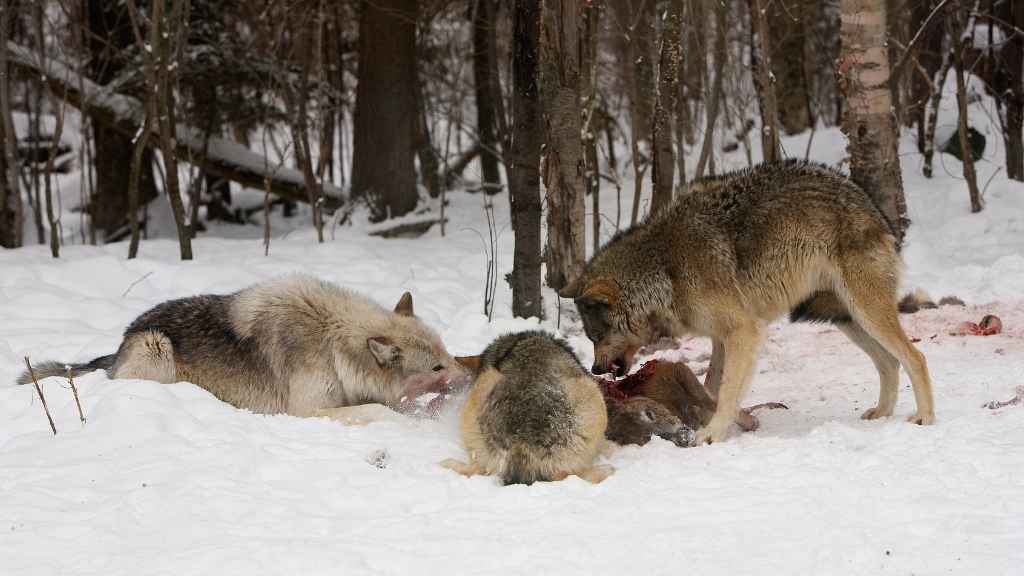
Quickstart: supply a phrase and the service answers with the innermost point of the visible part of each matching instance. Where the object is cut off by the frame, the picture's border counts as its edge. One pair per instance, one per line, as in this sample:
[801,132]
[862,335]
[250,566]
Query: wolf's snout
[617,368]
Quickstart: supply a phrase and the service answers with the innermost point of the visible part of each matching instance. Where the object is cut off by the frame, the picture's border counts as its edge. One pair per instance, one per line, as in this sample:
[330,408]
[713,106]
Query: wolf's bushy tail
[520,468]
[47,369]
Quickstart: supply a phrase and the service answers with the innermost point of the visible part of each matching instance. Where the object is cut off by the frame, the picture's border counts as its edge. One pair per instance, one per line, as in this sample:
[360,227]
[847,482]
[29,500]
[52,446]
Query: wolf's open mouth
[618,368]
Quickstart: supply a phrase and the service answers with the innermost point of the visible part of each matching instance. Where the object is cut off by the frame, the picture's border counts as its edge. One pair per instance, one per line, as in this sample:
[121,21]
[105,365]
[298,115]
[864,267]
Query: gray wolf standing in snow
[739,251]
[533,414]
[295,345]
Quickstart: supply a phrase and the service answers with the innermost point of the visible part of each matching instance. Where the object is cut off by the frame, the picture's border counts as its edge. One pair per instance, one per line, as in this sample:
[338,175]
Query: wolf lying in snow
[296,345]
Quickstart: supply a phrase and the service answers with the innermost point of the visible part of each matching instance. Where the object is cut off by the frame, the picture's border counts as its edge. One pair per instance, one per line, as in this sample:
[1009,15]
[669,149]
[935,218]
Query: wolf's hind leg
[146,356]
[871,292]
[887,365]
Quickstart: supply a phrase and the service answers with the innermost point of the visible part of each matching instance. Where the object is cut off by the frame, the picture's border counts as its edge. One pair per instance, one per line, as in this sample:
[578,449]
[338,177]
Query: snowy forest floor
[169,480]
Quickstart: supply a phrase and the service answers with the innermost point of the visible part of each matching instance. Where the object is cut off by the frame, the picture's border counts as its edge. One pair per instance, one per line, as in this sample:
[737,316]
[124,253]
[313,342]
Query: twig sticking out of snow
[74,390]
[41,397]
[134,284]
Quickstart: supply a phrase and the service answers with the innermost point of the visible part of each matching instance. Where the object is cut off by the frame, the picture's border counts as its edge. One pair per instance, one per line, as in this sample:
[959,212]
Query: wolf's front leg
[361,414]
[713,379]
[741,348]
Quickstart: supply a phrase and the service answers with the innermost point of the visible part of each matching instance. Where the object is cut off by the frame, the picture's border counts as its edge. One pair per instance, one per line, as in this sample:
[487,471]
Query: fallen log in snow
[222,158]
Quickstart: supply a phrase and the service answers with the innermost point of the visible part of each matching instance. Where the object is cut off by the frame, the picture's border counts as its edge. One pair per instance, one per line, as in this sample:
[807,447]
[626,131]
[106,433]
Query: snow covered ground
[168,480]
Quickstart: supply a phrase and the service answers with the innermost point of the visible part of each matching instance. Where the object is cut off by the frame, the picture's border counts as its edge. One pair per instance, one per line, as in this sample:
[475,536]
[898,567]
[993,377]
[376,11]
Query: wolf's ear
[602,292]
[383,350]
[470,362]
[404,306]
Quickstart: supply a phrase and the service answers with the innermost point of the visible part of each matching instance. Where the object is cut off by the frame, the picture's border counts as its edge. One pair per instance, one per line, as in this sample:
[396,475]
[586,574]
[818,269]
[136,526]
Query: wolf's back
[536,419]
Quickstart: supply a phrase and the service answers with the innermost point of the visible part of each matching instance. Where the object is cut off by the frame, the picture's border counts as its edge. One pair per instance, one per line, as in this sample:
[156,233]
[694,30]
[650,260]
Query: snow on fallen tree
[218,156]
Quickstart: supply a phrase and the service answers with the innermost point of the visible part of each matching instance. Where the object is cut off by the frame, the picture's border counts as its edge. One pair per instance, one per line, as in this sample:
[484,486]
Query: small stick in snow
[41,397]
[74,391]
[133,284]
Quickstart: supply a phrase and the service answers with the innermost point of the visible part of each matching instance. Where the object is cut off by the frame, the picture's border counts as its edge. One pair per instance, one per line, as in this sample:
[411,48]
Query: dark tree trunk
[109,35]
[868,122]
[665,106]
[956,22]
[821,51]
[563,152]
[1009,86]
[761,59]
[591,115]
[524,176]
[926,62]
[430,164]
[695,62]
[486,119]
[785,32]
[11,211]
[383,169]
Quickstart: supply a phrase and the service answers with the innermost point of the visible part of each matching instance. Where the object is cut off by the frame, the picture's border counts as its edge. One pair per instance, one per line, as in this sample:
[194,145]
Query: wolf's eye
[437,368]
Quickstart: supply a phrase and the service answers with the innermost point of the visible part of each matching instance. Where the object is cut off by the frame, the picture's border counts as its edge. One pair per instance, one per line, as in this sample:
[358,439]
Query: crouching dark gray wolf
[736,253]
[533,414]
[295,345]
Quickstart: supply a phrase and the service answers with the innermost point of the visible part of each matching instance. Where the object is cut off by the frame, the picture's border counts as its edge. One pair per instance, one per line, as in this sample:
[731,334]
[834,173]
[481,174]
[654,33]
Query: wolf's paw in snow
[922,419]
[463,468]
[713,432]
[875,413]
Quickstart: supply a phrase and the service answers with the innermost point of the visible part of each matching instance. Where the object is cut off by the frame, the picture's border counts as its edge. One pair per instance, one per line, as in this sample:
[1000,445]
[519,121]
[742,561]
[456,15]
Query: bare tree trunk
[11,214]
[164,41]
[383,168]
[933,114]
[721,12]
[563,159]
[761,60]
[868,123]
[524,174]
[483,84]
[430,166]
[926,60]
[591,115]
[955,22]
[133,184]
[665,107]
[1009,86]
[695,62]
[328,53]
[54,222]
